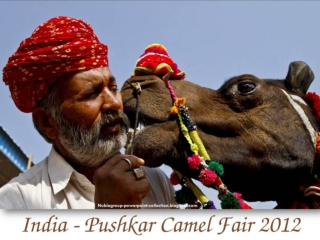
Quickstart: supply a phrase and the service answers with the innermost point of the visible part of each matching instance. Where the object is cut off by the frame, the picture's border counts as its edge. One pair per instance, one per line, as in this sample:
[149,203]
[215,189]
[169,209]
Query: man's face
[92,125]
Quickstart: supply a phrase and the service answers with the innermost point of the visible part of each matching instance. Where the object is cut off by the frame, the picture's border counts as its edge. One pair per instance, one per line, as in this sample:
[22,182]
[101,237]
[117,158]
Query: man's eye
[114,89]
[92,94]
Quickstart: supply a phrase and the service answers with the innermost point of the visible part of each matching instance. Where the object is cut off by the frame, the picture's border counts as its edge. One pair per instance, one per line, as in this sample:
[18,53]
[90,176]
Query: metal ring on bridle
[139,173]
[129,162]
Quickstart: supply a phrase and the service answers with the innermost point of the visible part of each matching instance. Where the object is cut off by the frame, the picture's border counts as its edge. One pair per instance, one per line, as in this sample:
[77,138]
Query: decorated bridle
[211,171]
[155,61]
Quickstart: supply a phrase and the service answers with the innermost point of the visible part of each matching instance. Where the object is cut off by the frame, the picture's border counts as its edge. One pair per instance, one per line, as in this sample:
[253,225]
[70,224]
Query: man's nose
[111,101]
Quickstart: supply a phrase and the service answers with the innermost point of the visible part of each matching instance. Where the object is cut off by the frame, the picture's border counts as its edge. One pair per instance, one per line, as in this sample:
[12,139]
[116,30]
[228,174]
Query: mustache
[111,116]
[77,133]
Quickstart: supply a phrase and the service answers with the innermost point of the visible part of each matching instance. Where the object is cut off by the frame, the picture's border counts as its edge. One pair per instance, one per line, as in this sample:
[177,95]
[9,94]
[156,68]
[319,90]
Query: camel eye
[246,87]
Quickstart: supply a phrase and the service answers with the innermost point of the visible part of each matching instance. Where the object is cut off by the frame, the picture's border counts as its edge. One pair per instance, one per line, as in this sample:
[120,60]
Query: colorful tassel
[174,179]
[207,177]
[209,205]
[194,161]
[239,197]
[185,195]
[229,201]
[216,167]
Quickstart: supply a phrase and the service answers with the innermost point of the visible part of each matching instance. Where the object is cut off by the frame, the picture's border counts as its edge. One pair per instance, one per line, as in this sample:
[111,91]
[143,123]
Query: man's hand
[117,185]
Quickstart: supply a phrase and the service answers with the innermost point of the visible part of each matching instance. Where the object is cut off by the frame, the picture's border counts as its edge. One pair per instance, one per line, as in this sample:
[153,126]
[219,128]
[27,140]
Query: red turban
[58,46]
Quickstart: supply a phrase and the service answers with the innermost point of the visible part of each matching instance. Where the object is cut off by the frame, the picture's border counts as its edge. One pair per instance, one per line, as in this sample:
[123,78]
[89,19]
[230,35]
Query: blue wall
[10,149]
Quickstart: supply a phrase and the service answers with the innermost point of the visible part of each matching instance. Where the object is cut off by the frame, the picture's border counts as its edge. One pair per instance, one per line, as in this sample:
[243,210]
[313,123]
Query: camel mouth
[140,127]
[145,118]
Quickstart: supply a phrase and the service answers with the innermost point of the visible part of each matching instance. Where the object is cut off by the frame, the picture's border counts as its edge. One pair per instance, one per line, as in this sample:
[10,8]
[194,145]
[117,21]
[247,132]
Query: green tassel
[229,201]
[216,167]
[184,195]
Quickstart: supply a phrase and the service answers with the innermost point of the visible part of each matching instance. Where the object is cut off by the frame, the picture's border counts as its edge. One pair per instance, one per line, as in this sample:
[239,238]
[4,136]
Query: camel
[263,131]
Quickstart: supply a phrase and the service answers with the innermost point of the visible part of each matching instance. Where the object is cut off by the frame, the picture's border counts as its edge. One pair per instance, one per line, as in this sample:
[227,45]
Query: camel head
[262,131]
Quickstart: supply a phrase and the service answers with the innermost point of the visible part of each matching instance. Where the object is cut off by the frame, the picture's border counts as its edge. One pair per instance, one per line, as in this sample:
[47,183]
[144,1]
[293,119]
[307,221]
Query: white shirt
[54,184]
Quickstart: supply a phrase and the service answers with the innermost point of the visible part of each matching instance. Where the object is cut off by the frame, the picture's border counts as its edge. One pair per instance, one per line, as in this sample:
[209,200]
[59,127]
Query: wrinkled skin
[248,125]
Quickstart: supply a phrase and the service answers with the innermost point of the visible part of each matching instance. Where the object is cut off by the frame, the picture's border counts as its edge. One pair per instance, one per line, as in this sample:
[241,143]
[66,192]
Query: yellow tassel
[202,150]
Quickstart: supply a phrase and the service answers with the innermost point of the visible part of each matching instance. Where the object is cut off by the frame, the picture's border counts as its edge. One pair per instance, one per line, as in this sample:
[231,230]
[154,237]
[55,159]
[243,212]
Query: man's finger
[142,187]
[126,162]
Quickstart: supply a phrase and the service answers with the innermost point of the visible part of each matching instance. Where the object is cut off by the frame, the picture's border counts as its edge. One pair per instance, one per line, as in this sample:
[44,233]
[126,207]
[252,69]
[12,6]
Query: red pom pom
[243,205]
[174,179]
[207,177]
[239,197]
[194,161]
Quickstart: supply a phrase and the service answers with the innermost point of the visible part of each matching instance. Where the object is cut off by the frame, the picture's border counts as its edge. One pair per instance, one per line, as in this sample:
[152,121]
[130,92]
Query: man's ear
[45,122]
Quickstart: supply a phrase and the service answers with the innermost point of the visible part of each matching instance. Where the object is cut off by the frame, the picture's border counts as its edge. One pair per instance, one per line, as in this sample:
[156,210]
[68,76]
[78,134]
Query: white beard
[88,147]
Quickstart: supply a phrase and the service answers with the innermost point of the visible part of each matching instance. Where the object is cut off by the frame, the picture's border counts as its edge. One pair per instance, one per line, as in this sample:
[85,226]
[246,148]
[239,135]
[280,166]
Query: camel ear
[299,77]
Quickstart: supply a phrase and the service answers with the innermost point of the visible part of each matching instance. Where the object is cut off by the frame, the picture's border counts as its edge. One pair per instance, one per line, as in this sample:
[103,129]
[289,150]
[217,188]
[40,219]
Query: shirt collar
[59,171]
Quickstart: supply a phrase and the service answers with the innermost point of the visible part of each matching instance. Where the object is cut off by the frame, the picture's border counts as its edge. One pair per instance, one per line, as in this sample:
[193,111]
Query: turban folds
[60,45]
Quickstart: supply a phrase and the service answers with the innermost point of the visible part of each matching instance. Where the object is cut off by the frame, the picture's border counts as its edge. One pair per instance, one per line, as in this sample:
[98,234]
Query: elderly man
[60,74]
